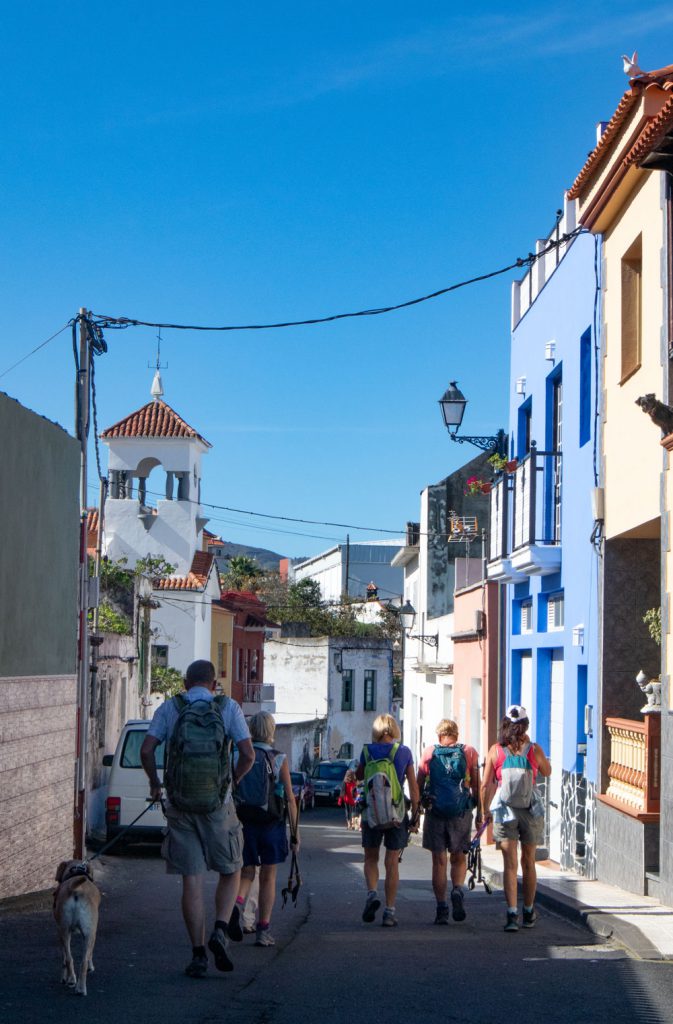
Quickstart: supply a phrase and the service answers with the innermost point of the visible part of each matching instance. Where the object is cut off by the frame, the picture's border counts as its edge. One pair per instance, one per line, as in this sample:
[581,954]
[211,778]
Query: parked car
[128,787]
[327,777]
[303,789]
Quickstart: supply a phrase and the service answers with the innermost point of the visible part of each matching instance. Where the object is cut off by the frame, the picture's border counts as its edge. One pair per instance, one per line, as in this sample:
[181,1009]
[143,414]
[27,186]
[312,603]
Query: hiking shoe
[442,915]
[371,906]
[457,908]
[529,918]
[389,919]
[217,944]
[264,938]
[234,930]
[198,966]
[512,924]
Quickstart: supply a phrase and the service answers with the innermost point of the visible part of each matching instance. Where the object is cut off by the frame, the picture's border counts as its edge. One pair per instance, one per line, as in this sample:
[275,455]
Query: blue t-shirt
[403,757]
[166,715]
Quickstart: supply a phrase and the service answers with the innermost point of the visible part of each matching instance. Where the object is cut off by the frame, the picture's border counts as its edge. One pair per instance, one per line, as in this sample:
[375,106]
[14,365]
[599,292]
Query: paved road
[328,967]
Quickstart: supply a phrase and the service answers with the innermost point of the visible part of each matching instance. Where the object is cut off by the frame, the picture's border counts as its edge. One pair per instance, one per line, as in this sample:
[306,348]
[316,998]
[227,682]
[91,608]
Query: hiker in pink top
[508,797]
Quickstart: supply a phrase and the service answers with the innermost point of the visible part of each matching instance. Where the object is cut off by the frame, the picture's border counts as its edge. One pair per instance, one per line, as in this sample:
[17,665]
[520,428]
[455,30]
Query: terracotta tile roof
[663,78]
[658,127]
[92,520]
[156,419]
[602,148]
[196,578]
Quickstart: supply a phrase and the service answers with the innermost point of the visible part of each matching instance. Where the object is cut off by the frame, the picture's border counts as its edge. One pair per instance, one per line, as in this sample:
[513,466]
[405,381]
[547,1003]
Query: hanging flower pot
[510,467]
[486,487]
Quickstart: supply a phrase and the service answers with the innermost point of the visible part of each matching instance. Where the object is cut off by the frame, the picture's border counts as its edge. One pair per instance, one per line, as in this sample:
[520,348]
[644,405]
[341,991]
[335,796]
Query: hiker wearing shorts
[265,843]
[509,799]
[198,842]
[448,779]
[385,739]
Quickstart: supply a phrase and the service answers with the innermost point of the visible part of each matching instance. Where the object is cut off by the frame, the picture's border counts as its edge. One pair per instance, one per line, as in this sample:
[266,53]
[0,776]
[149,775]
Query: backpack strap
[393,751]
[367,755]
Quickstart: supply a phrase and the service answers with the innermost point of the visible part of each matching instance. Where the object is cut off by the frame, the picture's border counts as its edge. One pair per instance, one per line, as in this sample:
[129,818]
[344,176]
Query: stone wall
[578,825]
[38,717]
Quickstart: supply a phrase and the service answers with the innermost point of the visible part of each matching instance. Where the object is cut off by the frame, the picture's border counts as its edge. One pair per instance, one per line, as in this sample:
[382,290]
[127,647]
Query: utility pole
[82,422]
[348,565]
[146,603]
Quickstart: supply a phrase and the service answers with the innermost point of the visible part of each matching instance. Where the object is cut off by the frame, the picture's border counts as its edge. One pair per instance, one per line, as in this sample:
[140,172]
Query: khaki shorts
[196,843]
[452,834]
[526,828]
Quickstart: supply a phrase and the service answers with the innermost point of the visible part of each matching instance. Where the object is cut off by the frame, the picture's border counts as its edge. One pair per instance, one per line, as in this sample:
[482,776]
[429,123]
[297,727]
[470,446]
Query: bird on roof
[631,65]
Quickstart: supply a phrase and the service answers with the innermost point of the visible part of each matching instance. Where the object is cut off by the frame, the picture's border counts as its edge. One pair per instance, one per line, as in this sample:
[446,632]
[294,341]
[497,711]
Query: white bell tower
[154,469]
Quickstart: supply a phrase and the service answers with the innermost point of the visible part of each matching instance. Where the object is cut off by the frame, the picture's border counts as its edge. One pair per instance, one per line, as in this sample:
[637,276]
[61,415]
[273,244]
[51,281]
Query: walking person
[448,781]
[348,797]
[385,764]
[204,832]
[508,797]
[263,801]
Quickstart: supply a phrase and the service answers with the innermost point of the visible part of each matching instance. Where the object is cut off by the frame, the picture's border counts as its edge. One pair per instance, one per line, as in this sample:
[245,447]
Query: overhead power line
[103,320]
[36,349]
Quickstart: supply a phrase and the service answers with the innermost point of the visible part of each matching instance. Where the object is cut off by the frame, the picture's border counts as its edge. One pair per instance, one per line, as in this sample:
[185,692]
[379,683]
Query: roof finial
[157,388]
[631,65]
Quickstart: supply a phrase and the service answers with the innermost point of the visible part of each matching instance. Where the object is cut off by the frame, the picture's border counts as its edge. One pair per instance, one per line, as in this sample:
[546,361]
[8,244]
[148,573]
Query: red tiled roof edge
[656,129]
[196,578]
[155,419]
[602,147]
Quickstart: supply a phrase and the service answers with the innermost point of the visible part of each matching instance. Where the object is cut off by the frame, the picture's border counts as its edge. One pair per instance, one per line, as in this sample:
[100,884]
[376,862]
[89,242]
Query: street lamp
[407,614]
[452,404]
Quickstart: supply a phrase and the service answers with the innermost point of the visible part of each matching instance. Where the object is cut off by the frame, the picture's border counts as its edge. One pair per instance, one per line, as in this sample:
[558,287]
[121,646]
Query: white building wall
[183,622]
[172,533]
[308,684]
[428,670]
[329,570]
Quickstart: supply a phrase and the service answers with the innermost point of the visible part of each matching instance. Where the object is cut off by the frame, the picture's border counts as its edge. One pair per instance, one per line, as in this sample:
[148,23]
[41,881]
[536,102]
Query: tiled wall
[37,763]
[578,824]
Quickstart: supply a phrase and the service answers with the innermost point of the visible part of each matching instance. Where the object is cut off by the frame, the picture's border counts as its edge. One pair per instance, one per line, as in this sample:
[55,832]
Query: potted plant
[475,485]
[501,464]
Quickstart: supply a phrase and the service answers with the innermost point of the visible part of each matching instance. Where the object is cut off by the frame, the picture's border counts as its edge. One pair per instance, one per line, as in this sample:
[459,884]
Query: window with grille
[632,313]
[160,655]
[555,612]
[370,689]
[347,690]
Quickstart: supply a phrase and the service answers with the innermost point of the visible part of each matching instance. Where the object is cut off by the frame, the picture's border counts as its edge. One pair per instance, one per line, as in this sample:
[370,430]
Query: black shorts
[392,838]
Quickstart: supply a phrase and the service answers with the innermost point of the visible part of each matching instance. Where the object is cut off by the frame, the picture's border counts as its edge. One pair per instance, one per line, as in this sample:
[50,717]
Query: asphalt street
[327,966]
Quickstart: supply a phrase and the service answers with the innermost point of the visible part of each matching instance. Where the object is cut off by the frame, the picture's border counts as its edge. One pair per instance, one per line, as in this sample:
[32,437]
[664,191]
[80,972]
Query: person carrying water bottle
[448,780]
[509,797]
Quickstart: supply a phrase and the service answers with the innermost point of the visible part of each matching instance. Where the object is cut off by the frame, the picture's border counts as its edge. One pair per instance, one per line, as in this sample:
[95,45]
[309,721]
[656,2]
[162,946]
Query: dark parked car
[303,790]
[327,778]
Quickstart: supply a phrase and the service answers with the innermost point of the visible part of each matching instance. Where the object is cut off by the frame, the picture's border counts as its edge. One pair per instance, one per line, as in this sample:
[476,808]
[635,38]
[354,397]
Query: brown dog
[76,903]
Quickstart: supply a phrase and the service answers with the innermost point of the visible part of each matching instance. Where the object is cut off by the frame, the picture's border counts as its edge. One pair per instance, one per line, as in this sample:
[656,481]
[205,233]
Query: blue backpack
[260,796]
[448,794]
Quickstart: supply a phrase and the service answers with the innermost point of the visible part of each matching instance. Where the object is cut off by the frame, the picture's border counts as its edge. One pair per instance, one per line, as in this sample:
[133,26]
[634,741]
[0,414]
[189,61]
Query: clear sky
[223,163]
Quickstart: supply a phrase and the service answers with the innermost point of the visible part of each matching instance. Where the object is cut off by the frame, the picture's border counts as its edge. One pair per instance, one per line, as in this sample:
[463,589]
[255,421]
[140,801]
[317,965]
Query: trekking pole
[294,880]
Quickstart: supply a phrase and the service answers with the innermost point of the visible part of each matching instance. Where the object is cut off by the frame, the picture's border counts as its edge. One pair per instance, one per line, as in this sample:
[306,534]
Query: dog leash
[123,831]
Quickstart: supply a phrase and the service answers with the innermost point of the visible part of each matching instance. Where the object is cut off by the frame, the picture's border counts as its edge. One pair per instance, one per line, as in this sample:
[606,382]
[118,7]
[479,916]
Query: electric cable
[103,320]
[36,349]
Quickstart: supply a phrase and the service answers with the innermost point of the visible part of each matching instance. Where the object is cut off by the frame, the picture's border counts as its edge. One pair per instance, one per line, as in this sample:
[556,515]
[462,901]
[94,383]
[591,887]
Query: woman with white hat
[509,798]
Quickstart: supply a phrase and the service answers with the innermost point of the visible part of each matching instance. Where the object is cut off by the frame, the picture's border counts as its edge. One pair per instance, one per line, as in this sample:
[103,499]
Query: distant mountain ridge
[268,560]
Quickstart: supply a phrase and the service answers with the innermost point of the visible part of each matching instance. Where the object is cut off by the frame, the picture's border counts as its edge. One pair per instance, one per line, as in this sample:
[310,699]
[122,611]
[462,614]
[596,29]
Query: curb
[600,922]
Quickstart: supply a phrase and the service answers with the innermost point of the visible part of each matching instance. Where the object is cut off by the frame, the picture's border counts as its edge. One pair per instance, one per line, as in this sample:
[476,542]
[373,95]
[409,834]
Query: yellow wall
[222,633]
[632,455]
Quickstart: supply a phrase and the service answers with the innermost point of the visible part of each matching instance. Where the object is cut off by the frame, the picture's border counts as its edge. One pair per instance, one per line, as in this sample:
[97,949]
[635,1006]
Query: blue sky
[249,163]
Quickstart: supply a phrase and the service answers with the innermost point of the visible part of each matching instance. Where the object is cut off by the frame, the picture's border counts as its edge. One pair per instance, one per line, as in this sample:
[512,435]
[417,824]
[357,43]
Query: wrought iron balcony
[525,533]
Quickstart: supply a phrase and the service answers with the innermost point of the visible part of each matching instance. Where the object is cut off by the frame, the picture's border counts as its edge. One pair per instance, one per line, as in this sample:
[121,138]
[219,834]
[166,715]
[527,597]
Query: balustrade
[635,765]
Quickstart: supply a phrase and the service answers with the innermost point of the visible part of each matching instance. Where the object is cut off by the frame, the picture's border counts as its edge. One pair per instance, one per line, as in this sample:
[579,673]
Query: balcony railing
[536,499]
[252,693]
[635,766]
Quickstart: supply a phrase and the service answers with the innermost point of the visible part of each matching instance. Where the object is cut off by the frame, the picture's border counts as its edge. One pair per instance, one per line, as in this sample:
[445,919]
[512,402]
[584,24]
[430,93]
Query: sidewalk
[641,923]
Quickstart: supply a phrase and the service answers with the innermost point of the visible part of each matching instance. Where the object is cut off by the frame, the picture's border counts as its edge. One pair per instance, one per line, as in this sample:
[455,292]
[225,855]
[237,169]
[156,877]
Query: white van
[128,787]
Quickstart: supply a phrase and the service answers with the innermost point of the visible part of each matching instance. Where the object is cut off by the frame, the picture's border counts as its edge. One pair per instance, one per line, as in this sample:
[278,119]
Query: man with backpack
[384,765]
[204,832]
[448,780]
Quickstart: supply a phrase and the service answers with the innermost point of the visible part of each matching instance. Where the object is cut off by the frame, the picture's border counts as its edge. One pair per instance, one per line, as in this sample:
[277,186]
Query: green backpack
[198,762]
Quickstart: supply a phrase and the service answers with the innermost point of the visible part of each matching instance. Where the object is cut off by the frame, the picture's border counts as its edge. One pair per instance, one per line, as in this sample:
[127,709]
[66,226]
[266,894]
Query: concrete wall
[183,622]
[39,524]
[475,669]
[307,683]
[296,739]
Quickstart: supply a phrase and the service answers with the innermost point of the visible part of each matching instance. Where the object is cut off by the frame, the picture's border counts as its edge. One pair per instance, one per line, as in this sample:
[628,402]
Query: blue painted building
[541,543]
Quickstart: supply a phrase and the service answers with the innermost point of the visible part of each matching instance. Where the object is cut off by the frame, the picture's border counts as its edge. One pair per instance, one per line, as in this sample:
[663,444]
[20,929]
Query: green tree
[243,573]
[168,681]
